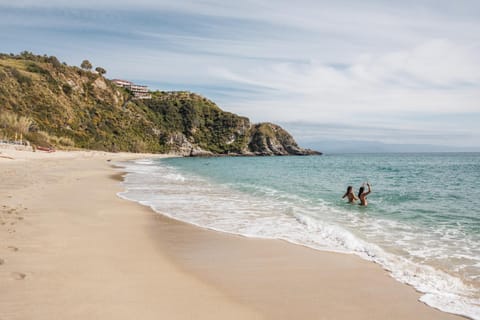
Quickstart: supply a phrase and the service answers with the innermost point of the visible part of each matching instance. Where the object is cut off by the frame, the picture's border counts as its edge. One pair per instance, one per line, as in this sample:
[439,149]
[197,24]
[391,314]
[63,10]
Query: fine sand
[71,249]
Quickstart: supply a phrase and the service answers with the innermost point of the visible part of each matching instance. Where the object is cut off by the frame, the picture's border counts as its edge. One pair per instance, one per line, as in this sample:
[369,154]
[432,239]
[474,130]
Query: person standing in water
[350,194]
[362,194]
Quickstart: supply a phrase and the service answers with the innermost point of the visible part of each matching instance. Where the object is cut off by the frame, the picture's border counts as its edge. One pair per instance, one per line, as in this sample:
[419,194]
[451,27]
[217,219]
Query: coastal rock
[268,139]
[179,144]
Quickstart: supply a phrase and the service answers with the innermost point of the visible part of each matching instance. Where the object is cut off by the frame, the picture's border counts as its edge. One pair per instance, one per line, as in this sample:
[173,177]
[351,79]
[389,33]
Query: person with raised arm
[362,194]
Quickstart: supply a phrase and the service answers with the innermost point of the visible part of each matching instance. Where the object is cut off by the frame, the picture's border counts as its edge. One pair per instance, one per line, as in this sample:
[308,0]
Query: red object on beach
[45,149]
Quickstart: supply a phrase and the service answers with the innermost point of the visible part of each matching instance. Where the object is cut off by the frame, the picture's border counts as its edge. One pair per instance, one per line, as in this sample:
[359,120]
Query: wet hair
[349,189]
[360,191]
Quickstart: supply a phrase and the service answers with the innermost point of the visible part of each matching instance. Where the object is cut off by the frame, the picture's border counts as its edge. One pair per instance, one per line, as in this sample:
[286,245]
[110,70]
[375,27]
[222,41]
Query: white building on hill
[138,91]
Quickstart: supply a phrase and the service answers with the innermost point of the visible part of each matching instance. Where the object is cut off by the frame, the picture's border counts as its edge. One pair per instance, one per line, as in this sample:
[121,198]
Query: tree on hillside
[100,70]
[86,65]
[54,61]
[27,55]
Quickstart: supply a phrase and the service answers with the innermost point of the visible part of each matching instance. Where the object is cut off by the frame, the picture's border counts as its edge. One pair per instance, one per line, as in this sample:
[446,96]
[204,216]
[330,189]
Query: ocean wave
[270,213]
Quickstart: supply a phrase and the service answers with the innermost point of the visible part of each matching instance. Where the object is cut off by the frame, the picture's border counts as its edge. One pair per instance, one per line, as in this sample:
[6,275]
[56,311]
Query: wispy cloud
[379,64]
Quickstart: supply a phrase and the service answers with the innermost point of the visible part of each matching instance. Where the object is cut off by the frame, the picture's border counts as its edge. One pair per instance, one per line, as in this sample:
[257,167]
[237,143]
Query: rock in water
[268,139]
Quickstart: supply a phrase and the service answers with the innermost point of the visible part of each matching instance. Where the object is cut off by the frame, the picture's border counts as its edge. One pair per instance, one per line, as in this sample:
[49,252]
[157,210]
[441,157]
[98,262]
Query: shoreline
[81,251]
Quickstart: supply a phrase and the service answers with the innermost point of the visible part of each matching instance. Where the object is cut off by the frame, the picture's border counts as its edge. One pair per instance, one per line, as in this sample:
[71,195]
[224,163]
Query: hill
[49,103]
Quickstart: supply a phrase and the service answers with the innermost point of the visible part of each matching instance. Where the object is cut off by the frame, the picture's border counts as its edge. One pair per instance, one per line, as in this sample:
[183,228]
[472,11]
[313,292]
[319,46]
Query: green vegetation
[13,126]
[100,70]
[86,65]
[199,120]
[52,104]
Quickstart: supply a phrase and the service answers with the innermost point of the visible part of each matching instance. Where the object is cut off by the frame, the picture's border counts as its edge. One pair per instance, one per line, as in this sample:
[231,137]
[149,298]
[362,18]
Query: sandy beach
[70,248]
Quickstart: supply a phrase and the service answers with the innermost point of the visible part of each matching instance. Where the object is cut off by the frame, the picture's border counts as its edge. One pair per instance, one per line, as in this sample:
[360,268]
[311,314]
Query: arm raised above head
[369,189]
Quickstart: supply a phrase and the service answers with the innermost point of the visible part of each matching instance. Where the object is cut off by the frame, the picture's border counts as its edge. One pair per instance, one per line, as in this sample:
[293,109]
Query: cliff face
[67,106]
[268,139]
[193,125]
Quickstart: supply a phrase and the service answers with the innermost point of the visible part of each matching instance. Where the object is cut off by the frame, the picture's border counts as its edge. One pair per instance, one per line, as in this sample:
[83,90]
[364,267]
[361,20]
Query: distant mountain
[53,104]
[340,146]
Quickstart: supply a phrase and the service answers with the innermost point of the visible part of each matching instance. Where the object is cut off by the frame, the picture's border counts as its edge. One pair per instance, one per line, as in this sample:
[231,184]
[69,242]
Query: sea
[422,222]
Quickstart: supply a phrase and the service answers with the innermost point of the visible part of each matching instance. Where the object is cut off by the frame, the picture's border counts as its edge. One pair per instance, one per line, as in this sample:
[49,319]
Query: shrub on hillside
[20,77]
[67,89]
[13,125]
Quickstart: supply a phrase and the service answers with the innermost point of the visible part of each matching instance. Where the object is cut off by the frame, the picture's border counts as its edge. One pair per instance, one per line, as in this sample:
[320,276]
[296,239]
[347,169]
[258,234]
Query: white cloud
[340,62]
[437,62]
[437,76]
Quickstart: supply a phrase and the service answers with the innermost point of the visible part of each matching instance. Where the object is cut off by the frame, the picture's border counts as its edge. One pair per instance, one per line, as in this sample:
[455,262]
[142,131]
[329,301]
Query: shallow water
[422,223]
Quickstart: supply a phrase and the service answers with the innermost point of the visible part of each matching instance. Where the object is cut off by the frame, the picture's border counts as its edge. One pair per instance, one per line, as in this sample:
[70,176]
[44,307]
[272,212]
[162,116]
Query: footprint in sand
[18,275]
[12,248]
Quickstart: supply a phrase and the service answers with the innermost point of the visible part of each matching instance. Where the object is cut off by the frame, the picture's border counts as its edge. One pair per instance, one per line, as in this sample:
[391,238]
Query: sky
[344,75]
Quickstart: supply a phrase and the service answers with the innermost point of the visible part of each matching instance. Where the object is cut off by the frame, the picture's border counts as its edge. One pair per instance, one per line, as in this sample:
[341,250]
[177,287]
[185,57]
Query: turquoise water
[422,223]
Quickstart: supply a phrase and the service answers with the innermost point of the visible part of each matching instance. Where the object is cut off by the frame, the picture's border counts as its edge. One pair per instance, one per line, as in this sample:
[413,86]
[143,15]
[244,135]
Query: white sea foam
[144,161]
[278,215]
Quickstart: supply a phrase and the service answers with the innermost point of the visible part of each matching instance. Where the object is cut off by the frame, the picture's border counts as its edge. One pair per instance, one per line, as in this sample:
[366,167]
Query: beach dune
[71,249]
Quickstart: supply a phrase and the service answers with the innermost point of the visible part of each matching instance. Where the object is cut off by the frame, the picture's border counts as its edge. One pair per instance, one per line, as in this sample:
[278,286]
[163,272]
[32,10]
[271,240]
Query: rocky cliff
[267,139]
[51,104]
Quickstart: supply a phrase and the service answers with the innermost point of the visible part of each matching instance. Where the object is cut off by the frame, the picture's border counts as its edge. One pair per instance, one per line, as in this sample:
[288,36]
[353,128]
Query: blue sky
[352,72]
